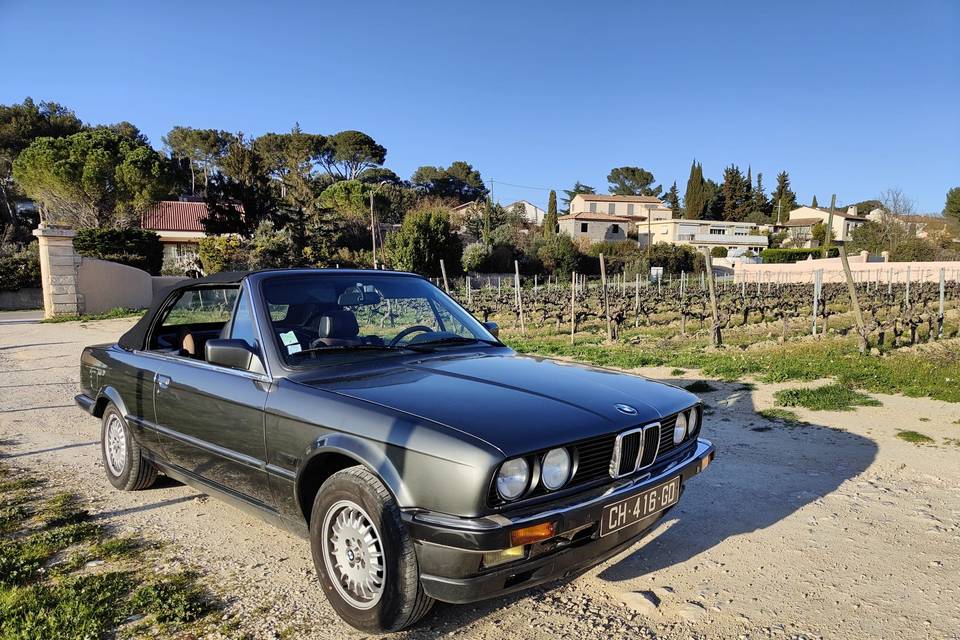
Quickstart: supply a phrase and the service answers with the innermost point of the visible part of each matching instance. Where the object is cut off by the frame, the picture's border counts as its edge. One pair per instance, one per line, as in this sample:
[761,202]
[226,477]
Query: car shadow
[765,470]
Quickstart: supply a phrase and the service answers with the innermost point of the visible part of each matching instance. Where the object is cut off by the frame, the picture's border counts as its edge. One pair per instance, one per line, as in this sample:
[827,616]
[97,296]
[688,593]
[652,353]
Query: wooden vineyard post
[854,302]
[443,270]
[469,289]
[817,284]
[606,305]
[516,267]
[573,304]
[940,312]
[829,229]
[715,338]
[636,302]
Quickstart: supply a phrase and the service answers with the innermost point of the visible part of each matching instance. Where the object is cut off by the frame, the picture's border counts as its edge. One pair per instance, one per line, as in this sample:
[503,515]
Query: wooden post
[940,312]
[443,270]
[469,289]
[715,338]
[516,267]
[906,298]
[606,305]
[573,304]
[852,290]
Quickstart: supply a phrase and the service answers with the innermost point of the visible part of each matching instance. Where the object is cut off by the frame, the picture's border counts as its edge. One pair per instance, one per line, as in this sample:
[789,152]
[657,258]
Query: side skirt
[261,511]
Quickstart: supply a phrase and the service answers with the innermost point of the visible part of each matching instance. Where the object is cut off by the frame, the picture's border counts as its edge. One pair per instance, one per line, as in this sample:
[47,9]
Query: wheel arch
[105,397]
[336,452]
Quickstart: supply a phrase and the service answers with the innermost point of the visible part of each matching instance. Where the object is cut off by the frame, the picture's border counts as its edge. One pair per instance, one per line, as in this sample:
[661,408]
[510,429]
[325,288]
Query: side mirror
[493,328]
[236,354]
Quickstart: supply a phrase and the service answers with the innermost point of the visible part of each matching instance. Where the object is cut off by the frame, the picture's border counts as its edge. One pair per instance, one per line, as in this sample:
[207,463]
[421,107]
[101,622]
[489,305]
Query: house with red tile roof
[179,223]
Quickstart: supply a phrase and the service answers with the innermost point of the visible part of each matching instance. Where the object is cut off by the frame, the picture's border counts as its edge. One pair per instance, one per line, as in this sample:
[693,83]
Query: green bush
[20,270]
[718,252]
[474,256]
[424,238]
[223,253]
[781,256]
[134,247]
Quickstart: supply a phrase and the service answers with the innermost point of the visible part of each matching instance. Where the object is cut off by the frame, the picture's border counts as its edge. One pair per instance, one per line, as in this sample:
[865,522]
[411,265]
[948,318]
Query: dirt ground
[838,530]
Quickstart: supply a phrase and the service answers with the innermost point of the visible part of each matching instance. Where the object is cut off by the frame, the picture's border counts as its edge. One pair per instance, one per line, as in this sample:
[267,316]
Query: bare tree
[896,202]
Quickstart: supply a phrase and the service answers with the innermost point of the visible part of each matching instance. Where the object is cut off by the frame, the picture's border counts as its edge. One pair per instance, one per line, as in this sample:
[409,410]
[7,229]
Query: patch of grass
[699,386]
[781,415]
[19,484]
[924,419]
[678,372]
[929,373]
[43,595]
[831,397]
[119,312]
[955,442]
[915,437]
[174,598]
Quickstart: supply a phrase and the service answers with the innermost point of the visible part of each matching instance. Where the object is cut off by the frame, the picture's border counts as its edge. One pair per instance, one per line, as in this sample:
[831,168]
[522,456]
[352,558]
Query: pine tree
[550,220]
[749,182]
[673,200]
[814,203]
[734,189]
[695,197]
[784,200]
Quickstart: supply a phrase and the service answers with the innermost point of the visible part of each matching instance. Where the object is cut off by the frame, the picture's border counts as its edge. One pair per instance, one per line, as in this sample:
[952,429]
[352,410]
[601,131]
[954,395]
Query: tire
[399,601]
[124,463]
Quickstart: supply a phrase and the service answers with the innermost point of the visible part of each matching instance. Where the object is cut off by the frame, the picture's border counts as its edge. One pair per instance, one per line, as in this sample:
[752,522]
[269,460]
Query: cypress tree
[673,200]
[695,197]
[550,220]
[735,191]
[784,199]
[760,202]
[814,203]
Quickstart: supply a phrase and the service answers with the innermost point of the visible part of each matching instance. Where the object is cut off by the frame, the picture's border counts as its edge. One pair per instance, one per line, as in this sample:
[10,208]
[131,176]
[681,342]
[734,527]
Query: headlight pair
[686,425]
[514,475]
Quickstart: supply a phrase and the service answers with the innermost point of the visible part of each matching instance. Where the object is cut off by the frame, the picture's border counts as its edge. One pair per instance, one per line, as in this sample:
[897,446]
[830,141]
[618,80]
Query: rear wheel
[123,459]
[364,555]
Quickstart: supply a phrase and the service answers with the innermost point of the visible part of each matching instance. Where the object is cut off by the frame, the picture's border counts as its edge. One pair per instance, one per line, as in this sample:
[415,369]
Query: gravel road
[838,530]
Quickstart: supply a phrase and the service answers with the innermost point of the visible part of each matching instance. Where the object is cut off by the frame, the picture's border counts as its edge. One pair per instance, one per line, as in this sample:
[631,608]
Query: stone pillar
[885,255]
[58,271]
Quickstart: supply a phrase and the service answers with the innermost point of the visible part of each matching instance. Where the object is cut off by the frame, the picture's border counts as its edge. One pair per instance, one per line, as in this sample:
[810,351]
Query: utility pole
[828,238]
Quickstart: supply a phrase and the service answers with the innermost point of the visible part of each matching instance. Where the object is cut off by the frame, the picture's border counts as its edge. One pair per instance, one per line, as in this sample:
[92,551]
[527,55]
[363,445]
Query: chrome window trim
[201,364]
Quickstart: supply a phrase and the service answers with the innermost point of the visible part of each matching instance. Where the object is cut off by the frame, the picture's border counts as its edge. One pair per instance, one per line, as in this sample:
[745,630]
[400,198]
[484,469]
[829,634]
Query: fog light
[536,533]
[493,558]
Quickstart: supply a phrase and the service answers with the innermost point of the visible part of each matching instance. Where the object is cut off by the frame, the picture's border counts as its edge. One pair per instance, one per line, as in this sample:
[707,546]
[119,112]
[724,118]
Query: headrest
[338,324]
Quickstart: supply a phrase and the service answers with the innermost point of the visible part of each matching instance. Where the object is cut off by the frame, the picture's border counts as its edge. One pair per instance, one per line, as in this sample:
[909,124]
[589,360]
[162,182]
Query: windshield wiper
[351,347]
[454,340]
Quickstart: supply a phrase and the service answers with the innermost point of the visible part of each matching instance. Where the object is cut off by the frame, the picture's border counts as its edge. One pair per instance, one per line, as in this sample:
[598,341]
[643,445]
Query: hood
[515,403]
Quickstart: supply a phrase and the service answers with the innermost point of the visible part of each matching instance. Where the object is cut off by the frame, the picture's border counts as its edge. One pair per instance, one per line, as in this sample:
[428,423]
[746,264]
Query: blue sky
[849,97]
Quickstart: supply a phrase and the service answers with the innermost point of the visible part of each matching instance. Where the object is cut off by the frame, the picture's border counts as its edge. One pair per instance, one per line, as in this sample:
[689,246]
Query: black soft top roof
[137,335]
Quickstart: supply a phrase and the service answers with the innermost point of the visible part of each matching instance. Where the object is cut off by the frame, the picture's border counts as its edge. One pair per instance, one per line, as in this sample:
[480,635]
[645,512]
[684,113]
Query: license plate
[631,510]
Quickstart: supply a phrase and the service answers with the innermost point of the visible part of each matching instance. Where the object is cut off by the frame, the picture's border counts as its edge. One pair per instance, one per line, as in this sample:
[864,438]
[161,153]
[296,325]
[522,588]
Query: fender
[137,425]
[364,453]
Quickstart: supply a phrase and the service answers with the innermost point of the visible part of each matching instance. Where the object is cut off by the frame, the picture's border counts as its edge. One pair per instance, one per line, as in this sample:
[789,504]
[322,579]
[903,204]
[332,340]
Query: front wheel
[364,555]
[127,468]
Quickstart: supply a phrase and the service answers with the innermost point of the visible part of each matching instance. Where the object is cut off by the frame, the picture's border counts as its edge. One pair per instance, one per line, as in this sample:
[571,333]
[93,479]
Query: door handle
[163,381]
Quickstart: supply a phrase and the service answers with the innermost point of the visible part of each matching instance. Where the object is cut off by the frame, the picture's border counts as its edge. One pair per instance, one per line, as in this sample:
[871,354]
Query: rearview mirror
[236,354]
[493,328]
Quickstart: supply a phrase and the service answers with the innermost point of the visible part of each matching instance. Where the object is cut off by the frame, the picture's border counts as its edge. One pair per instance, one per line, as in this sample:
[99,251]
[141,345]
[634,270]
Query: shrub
[718,252]
[781,256]
[474,255]
[222,253]
[673,259]
[20,270]
[424,238]
[559,255]
[134,247]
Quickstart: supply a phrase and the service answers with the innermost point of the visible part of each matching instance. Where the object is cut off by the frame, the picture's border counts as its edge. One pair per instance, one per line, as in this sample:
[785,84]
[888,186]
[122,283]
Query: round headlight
[555,469]
[694,419]
[512,479]
[680,428]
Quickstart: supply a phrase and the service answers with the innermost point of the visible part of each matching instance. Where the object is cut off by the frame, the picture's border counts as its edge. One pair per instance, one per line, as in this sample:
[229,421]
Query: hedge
[779,256]
[133,247]
[20,270]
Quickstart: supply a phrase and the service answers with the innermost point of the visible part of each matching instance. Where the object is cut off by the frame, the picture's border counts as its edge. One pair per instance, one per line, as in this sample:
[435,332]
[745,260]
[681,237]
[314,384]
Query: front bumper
[450,549]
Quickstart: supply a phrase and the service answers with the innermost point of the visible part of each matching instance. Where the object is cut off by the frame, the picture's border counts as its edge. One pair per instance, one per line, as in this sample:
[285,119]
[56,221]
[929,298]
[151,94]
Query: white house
[636,208]
[801,221]
[736,237]
[531,212]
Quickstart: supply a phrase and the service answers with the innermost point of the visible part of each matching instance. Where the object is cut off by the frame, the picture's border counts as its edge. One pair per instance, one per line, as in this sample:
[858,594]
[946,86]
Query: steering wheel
[403,334]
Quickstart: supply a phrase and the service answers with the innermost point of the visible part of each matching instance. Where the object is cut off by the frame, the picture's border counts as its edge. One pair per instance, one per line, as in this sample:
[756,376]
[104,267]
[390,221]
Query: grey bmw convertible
[370,413]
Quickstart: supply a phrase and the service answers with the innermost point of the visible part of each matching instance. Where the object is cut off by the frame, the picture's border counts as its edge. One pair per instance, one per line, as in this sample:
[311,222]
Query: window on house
[593,207]
[612,208]
[583,227]
[717,232]
[630,209]
[614,228]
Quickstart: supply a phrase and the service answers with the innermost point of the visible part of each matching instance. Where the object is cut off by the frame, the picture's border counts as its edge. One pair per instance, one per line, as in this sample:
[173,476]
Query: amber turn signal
[536,533]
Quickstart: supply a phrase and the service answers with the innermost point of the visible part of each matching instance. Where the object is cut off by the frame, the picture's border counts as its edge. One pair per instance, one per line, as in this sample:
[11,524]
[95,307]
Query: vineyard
[894,314]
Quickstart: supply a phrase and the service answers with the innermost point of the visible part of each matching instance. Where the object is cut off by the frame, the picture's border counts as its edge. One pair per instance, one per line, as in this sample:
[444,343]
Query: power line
[519,186]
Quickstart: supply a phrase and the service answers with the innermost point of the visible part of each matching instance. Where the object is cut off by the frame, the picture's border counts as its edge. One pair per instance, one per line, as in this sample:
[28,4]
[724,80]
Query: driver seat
[337,328]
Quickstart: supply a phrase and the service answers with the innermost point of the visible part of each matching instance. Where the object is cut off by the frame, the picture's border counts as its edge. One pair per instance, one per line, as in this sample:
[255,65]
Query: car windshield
[329,318]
